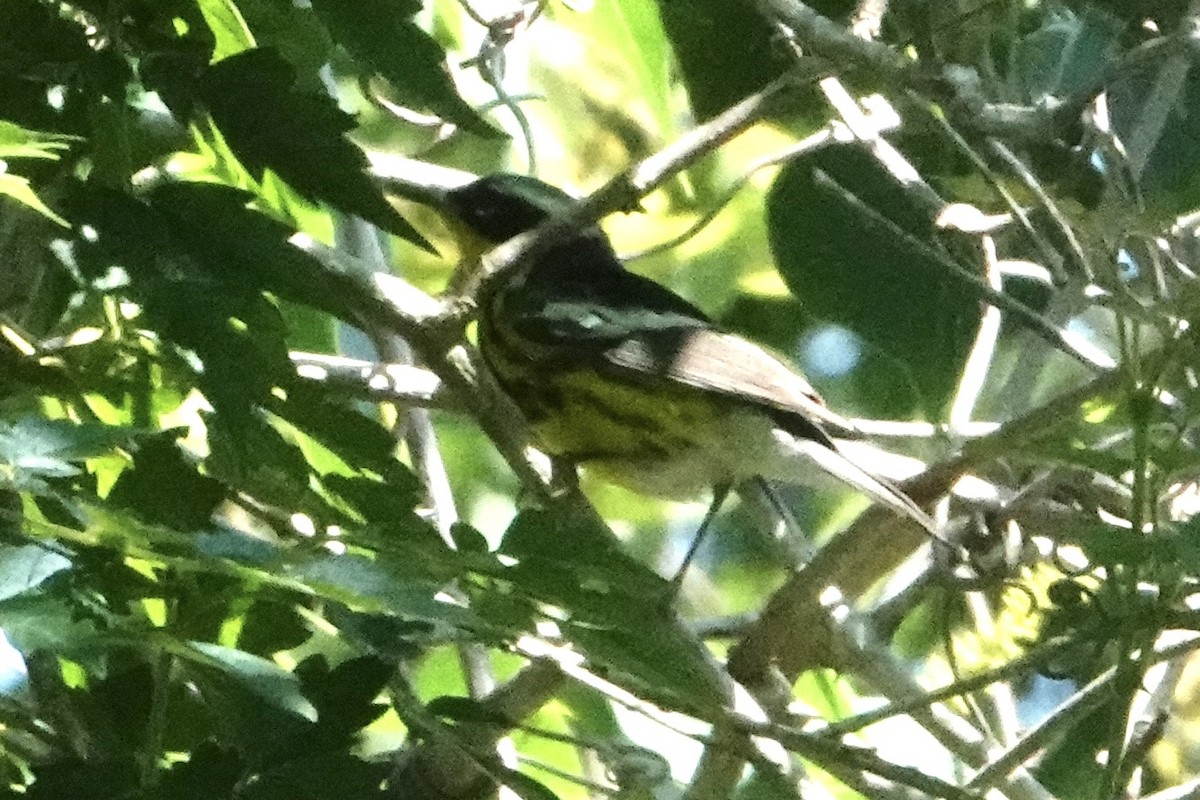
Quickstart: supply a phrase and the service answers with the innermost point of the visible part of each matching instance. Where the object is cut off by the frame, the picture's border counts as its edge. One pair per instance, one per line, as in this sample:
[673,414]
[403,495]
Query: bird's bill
[418,181]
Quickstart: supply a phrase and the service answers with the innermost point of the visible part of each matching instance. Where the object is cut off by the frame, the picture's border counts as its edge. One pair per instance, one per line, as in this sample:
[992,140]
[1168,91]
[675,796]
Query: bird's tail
[833,462]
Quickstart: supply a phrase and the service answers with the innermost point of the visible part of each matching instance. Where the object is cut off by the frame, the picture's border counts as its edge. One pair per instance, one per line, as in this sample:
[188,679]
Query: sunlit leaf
[256,675]
[18,142]
[18,189]
[225,21]
[27,567]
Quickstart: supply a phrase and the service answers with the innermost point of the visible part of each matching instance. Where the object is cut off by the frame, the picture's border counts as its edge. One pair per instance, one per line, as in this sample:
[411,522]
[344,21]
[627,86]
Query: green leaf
[210,771]
[1071,768]
[18,142]
[70,778]
[566,560]
[392,584]
[35,38]
[630,34]
[229,29]
[1064,55]
[386,504]
[301,136]
[591,557]
[382,35]
[335,774]
[467,539]
[1169,180]
[164,487]
[24,568]
[236,546]
[464,709]
[18,189]
[269,626]
[190,253]
[359,440]
[244,248]
[392,638]
[296,32]
[37,623]
[345,696]
[848,269]
[254,674]
[726,50]
[659,654]
[249,454]
[35,448]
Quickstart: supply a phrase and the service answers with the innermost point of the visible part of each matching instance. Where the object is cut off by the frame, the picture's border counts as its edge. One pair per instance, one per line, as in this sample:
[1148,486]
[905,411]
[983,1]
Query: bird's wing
[594,311]
[729,365]
[582,297]
[732,366]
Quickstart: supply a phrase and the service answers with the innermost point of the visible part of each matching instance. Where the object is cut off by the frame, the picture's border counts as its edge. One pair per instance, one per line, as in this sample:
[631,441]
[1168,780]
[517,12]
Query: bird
[623,377]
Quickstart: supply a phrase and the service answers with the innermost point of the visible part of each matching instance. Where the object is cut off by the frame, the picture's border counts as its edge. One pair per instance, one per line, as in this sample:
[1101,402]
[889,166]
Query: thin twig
[789,635]
[1016,668]
[1060,721]
[403,384]
[1051,257]
[825,752]
[1092,359]
[955,89]
[1047,202]
[805,145]
[626,189]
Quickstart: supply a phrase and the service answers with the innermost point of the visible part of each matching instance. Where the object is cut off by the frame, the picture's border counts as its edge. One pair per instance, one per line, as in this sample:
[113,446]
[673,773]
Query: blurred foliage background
[234,563]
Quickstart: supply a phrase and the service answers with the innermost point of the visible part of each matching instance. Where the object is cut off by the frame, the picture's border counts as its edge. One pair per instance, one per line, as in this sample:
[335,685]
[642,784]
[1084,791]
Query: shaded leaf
[71,779]
[849,270]
[660,655]
[37,624]
[164,487]
[566,549]
[251,455]
[198,295]
[296,32]
[210,771]
[345,696]
[300,136]
[237,546]
[380,503]
[341,775]
[245,249]
[726,50]
[572,564]
[359,440]
[382,35]
[269,626]
[464,709]
[1064,55]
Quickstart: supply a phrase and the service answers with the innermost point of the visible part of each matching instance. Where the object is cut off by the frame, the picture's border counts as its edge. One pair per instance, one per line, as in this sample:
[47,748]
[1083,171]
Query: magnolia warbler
[619,375]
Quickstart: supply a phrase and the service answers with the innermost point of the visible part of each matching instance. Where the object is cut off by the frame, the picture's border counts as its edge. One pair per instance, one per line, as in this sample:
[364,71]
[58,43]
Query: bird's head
[501,206]
[483,212]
